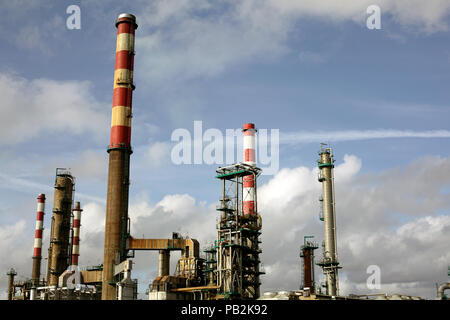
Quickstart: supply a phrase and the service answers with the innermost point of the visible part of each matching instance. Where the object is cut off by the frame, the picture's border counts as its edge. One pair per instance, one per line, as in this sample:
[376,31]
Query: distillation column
[307,255]
[11,274]
[37,254]
[58,259]
[76,233]
[330,262]
[116,223]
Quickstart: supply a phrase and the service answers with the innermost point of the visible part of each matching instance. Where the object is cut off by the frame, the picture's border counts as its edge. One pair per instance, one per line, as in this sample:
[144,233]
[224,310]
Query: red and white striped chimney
[39,226]
[76,233]
[250,159]
[37,249]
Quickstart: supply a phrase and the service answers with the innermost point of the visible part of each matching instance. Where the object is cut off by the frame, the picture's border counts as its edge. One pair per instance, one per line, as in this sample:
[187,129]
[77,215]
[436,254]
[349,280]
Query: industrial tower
[59,251]
[117,222]
[239,226]
[37,254]
[307,255]
[329,263]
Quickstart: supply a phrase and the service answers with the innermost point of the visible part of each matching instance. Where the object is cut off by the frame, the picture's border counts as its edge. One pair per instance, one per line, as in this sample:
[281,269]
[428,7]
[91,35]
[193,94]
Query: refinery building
[227,269]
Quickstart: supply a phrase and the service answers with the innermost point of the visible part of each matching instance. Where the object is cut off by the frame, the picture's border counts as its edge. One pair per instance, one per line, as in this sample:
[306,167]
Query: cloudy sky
[311,69]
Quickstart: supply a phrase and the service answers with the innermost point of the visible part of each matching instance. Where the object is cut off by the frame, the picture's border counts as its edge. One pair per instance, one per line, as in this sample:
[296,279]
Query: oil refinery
[227,269]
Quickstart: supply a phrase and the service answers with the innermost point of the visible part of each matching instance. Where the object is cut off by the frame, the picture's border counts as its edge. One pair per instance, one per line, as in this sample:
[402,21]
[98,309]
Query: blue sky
[300,67]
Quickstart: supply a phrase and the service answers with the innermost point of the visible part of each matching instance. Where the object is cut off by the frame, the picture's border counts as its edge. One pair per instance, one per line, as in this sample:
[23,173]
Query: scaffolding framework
[237,245]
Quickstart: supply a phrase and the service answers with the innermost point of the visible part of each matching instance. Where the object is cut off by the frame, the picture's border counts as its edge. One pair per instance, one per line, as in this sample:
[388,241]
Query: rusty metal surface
[116,218]
[36,270]
[91,276]
[60,230]
[200,288]
[165,244]
[307,269]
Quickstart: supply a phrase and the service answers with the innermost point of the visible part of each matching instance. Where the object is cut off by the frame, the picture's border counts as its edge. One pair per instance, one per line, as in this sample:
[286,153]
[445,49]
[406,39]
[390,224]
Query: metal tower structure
[239,226]
[11,289]
[59,251]
[307,255]
[329,262]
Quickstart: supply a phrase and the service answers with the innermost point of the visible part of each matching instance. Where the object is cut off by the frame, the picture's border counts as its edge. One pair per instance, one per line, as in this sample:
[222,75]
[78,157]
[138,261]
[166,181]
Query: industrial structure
[37,254]
[117,222]
[76,233]
[239,226]
[230,268]
[329,262]
[59,251]
[307,255]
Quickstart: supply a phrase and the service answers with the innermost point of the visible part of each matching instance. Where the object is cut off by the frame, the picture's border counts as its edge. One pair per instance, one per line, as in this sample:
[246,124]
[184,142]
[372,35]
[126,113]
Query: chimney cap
[127,16]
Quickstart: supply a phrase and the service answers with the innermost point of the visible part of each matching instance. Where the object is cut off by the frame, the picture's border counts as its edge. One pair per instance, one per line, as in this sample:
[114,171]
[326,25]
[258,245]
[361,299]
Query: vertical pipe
[119,150]
[76,233]
[330,254]
[249,158]
[37,254]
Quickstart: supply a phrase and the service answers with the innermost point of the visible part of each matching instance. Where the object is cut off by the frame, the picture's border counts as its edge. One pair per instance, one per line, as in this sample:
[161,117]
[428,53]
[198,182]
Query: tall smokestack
[76,233]
[58,252]
[251,271]
[330,262]
[249,158]
[116,223]
[37,254]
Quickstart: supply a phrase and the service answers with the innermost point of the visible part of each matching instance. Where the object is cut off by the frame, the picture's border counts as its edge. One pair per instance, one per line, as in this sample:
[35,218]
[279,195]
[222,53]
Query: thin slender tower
[37,251]
[76,233]
[329,263]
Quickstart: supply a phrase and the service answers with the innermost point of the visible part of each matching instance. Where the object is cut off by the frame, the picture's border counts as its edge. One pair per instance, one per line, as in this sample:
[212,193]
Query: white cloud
[174,213]
[369,231]
[12,240]
[90,164]
[354,135]
[188,39]
[33,107]
[158,153]
[192,39]
[93,218]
